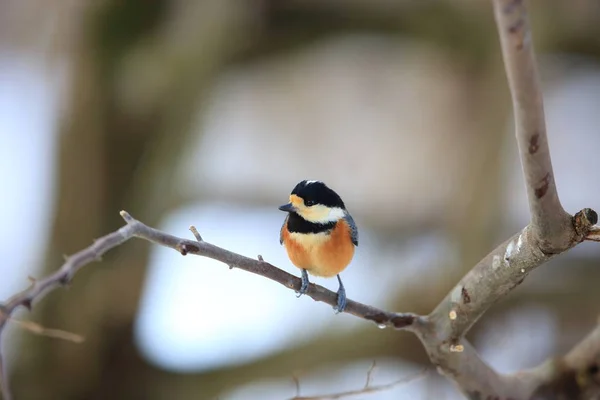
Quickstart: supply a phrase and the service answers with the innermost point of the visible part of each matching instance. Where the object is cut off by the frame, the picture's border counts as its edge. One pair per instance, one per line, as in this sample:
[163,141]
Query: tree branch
[550,223]
[134,228]
[551,231]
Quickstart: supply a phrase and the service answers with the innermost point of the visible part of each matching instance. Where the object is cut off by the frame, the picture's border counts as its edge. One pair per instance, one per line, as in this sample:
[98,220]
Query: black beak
[287,207]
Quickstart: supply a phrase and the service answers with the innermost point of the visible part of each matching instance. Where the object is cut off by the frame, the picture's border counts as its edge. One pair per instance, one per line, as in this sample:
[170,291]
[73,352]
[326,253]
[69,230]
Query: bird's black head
[316,192]
[315,202]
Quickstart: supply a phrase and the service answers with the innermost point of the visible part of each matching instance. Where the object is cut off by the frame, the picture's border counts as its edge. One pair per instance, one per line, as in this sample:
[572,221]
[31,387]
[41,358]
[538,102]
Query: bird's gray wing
[353,229]
[281,230]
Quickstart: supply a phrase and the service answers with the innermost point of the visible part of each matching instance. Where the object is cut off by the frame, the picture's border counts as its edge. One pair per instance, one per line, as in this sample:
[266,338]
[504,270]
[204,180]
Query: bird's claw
[305,283]
[341,301]
[341,297]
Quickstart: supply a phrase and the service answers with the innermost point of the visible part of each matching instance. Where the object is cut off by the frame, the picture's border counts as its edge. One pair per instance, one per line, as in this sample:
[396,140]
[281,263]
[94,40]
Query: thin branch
[593,234]
[549,221]
[370,374]
[135,228]
[52,333]
[367,389]
[296,384]
[196,233]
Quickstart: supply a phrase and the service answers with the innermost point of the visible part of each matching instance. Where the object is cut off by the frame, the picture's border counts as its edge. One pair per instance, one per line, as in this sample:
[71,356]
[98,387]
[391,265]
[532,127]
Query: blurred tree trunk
[110,160]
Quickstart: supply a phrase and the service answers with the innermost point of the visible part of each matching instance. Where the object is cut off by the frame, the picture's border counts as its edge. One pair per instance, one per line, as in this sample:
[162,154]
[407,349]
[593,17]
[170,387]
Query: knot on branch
[583,221]
[66,279]
[186,248]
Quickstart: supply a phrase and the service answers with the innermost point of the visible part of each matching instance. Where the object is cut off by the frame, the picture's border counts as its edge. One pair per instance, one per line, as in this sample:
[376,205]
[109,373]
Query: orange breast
[320,254]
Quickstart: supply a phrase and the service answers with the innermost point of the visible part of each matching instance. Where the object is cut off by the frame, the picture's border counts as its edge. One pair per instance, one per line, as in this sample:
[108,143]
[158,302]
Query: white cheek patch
[336,214]
[323,215]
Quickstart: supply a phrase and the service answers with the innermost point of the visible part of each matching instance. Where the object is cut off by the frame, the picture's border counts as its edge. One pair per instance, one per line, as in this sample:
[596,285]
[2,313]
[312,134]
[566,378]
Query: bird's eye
[309,203]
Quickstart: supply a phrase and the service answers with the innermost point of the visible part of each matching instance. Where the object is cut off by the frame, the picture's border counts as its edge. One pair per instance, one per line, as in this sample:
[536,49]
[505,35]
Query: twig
[53,333]
[594,234]
[367,389]
[370,374]
[196,233]
[296,384]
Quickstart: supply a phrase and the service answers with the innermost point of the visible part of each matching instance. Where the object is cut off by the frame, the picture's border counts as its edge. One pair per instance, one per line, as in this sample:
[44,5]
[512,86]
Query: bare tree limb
[135,228]
[551,231]
[550,223]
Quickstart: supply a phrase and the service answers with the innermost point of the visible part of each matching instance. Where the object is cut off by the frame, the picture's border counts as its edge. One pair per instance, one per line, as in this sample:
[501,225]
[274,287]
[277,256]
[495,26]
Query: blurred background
[208,113]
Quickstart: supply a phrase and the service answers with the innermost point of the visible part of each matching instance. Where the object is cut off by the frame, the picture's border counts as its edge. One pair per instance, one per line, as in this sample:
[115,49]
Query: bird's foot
[305,283]
[341,298]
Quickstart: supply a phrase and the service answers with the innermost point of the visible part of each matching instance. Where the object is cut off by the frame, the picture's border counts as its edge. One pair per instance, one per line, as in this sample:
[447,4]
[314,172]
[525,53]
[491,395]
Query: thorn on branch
[125,215]
[260,258]
[196,233]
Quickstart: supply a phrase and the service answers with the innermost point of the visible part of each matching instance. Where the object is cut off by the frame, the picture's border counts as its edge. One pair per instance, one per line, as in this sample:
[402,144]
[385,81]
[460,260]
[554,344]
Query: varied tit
[318,234]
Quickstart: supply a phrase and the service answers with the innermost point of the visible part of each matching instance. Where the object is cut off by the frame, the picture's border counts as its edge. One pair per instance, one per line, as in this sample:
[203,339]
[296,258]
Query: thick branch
[497,274]
[551,231]
[549,221]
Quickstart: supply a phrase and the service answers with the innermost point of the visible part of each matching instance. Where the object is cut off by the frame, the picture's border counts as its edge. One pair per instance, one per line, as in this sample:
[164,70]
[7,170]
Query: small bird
[318,234]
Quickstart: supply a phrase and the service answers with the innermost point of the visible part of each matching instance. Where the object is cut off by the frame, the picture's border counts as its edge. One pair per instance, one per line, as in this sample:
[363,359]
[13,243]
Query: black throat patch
[299,225]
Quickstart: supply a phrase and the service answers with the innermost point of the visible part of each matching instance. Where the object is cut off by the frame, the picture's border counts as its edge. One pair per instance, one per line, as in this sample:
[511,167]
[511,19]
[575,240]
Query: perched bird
[318,234]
